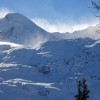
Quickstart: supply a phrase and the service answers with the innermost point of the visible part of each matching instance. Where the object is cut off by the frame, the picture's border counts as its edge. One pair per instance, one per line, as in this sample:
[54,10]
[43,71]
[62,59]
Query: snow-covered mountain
[92,32]
[19,29]
[49,72]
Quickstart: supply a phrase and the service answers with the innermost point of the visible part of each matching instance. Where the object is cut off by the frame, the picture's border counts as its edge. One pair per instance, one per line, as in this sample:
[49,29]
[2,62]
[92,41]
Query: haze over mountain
[92,32]
[50,72]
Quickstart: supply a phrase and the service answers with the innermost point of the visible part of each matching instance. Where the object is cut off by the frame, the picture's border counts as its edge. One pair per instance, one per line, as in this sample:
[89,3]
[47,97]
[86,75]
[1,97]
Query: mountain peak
[14,15]
[19,29]
[17,17]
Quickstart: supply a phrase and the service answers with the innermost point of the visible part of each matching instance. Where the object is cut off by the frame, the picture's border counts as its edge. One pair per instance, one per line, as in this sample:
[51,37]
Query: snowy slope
[19,29]
[51,72]
[92,32]
[35,67]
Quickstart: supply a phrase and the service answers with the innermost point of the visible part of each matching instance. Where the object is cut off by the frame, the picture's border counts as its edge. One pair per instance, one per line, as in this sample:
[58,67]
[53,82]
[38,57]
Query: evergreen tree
[83,92]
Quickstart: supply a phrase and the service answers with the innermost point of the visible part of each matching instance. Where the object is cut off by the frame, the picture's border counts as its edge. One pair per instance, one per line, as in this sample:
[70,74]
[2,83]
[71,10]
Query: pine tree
[83,92]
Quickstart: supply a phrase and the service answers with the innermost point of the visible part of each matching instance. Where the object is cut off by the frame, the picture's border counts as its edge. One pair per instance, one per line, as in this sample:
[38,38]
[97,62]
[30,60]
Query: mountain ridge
[90,32]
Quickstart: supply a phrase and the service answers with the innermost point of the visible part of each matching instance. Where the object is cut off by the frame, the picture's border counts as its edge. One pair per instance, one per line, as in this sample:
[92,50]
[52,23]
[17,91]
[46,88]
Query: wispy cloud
[56,26]
[63,26]
[4,11]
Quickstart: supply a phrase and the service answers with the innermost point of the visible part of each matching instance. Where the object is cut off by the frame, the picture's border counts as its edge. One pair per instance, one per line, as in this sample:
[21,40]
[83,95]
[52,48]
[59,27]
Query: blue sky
[54,15]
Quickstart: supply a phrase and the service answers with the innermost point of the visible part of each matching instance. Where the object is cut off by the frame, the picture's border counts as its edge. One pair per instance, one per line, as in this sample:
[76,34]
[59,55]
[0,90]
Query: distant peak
[17,17]
[14,15]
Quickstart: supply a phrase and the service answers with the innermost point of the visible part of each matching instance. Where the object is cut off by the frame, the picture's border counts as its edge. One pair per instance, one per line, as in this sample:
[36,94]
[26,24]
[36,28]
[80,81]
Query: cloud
[63,27]
[56,26]
[4,11]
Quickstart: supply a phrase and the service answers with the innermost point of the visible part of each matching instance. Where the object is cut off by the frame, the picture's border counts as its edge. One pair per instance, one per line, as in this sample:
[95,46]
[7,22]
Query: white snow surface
[92,32]
[51,72]
[19,29]
[48,71]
